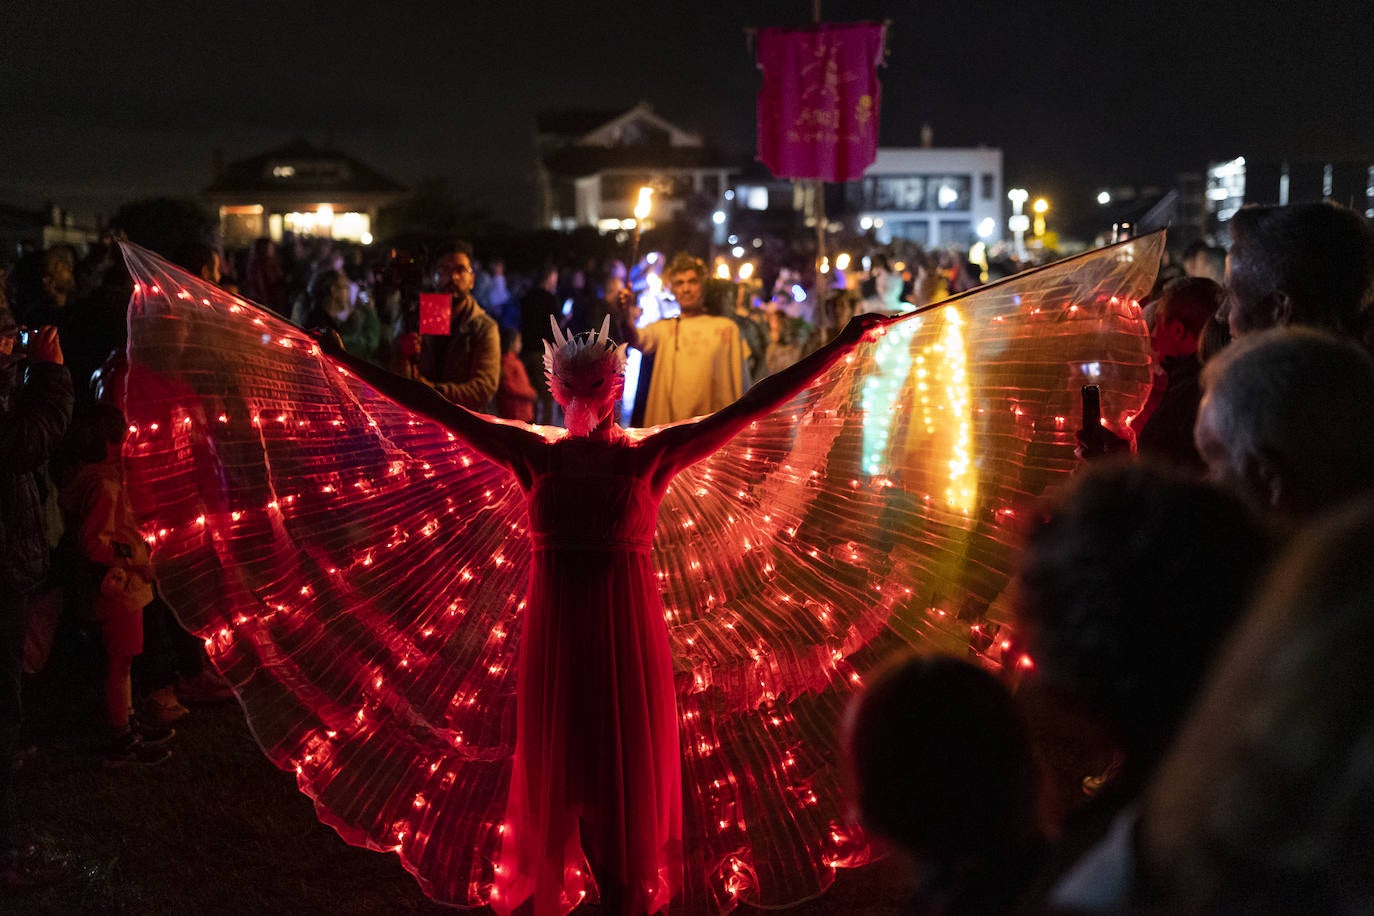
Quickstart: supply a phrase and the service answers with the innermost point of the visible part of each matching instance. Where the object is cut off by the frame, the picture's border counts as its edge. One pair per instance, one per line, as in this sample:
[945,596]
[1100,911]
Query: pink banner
[818,107]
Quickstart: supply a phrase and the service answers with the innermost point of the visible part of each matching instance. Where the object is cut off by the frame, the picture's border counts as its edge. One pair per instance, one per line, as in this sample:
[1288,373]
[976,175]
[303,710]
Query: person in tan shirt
[698,357]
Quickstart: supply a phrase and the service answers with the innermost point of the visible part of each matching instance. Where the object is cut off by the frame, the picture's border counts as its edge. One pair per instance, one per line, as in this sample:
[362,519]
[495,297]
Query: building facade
[929,195]
[299,188]
[591,165]
[1236,182]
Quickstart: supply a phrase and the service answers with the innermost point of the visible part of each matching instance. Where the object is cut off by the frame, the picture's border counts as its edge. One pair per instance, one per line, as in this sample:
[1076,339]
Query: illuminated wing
[352,569]
[873,513]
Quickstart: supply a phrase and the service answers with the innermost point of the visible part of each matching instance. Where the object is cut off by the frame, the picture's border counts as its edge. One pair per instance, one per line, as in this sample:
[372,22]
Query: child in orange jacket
[121,575]
[515,396]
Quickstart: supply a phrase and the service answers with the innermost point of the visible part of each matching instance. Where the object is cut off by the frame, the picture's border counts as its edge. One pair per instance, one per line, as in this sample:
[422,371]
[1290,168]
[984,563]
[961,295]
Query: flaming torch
[642,207]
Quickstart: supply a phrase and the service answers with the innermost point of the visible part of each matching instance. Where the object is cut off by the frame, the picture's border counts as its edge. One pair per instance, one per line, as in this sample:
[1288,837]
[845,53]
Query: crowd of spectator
[1196,609]
[1195,600]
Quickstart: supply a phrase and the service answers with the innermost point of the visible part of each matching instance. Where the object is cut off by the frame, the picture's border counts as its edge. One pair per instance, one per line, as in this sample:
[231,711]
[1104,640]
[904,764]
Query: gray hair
[1303,400]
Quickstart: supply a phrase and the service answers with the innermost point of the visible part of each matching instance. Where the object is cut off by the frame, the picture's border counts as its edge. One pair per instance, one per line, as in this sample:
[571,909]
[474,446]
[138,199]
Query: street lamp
[1019,222]
[1041,207]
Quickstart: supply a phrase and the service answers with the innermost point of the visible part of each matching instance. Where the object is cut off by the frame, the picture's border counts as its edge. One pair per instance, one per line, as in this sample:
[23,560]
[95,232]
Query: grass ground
[219,830]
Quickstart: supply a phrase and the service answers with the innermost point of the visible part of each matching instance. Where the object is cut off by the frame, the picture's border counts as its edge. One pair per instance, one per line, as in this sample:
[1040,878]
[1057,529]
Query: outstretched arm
[691,442]
[497,441]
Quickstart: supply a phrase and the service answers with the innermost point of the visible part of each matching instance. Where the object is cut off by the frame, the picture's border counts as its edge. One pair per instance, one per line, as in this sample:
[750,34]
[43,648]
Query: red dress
[597,768]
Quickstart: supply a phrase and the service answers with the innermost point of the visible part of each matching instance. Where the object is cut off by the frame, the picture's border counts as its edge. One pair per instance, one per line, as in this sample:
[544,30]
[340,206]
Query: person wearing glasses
[464,365]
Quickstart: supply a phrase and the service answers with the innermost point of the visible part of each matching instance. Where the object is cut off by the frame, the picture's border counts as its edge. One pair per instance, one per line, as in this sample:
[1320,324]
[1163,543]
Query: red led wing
[359,574]
[874,513]
[354,571]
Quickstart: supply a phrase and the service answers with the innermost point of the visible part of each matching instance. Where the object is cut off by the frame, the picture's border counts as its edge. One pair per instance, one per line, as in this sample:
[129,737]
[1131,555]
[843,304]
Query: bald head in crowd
[1288,415]
[1305,264]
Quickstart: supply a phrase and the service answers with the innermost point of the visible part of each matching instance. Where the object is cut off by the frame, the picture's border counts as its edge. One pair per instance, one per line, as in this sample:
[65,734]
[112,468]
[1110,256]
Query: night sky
[105,102]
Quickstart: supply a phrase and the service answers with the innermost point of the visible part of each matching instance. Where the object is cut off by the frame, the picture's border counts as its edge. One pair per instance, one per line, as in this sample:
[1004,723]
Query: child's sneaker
[163,707]
[206,687]
[150,733]
[128,751]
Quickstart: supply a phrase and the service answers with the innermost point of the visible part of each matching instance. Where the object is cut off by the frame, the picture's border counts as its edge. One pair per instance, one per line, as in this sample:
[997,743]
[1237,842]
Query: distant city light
[987,227]
[1041,205]
[798,293]
[651,258]
[733,240]
[718,217]
[722,271]
[1018,196]
[866,223]
[1104,198]
[825,265]
[946,196]
[746,270]
[365,238]
[729,194]
[737,251]
[842,261]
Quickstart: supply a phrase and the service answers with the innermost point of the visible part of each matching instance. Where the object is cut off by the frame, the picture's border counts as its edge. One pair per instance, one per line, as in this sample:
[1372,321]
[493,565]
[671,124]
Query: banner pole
[818,209]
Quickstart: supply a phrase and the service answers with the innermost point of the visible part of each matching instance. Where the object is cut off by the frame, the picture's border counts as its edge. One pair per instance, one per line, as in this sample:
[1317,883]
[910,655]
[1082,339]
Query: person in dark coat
[35,408]
[465,365]
[536,308]
[1165,429]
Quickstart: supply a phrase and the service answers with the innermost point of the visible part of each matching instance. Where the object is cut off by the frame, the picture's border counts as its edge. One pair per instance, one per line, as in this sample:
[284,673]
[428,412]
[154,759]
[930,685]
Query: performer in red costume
[450,628]
[597,763]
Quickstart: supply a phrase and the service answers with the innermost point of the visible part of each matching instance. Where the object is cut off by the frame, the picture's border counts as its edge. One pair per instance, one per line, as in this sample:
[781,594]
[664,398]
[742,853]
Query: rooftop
[301,166]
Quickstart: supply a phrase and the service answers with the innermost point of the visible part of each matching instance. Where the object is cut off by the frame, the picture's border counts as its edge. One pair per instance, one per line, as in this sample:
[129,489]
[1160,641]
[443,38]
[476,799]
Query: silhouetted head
[1266,802]
[942,761]
[1310,264]
[1127,586]
[1182,313]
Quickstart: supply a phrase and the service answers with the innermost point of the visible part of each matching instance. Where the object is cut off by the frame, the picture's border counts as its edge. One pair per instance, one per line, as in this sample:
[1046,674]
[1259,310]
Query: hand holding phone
[1094,439]
[1092,407]
[42,345]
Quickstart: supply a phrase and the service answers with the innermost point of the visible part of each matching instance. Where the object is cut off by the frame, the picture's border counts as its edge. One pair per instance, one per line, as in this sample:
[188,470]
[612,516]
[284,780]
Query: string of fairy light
[363,573]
